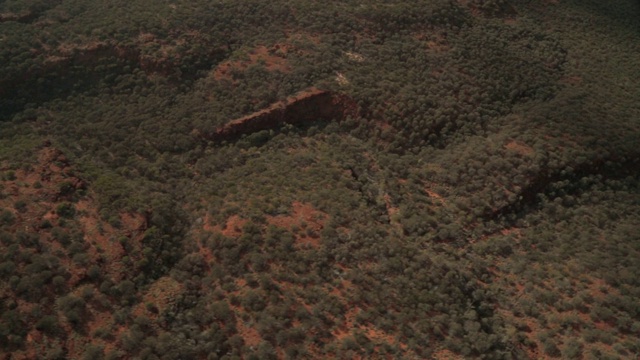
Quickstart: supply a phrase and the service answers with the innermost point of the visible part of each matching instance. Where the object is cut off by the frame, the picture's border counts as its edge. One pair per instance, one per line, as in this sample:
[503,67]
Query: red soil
[571,80]
[303,216]
[434,195]
[44,186]
[250,335]
[520,148]
[233,227]
[274,59]
[446,355]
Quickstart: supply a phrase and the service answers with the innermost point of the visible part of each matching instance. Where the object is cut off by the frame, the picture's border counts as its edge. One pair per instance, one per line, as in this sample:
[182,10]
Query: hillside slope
[390,179]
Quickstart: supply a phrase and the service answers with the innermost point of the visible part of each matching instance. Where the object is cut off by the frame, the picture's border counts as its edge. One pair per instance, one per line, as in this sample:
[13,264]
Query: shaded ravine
[29,15]
[75,69]
[612,167]
[23,17]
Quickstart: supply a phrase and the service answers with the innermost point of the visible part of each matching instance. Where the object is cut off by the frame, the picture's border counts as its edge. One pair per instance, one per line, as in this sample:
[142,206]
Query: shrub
[92,352]
[48,324]
[253,301]
[550,348]
[20,206]
[45,224]
[6,217]
[66,210]
[572,349]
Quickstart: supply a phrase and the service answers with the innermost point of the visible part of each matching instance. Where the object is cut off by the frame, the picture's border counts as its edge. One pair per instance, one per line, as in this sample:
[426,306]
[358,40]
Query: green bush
[549,347]
[20,206]
[66,210]
[6,217]
[572,349]
[48,324]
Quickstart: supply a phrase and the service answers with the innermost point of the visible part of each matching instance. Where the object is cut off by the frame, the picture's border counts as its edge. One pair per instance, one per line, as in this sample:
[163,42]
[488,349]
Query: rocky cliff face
[305,107]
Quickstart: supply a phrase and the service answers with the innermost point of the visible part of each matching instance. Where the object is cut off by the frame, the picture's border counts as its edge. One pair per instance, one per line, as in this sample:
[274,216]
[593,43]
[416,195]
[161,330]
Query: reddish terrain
[274,59]
[36,195]
[305,107]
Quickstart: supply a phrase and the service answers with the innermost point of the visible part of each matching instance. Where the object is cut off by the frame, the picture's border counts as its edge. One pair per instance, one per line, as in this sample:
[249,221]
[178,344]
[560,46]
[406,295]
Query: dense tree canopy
[477,193]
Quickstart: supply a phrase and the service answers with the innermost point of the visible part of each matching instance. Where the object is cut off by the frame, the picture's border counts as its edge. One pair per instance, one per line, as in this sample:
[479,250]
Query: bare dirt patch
[348,325]
[233,227]
[520,148]
[304,217]
[571,80]
[434,195]
[273,59]
[250,335]
[446,355]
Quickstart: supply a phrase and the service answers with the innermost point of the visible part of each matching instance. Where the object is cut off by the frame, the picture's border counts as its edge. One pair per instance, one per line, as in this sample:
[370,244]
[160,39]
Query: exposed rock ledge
[307,106]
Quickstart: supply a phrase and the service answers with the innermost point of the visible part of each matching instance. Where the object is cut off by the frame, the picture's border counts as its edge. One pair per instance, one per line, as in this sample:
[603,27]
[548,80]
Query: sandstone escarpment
[308,106]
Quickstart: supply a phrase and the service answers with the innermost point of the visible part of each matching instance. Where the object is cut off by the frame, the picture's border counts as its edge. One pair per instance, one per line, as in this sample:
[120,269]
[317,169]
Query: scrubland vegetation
[478,197]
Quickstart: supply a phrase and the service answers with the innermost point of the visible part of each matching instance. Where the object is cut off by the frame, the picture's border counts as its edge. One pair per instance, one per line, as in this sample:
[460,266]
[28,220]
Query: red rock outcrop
[308,106]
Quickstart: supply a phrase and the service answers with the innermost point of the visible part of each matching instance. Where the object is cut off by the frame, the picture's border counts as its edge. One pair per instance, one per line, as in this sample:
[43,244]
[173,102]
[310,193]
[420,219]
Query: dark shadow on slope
[29,15]
[550,185]
[77,73]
